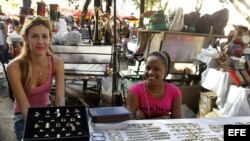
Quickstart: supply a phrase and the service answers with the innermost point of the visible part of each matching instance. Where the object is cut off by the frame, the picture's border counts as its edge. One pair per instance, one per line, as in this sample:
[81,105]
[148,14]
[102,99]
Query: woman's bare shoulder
[14,64]
[57,59]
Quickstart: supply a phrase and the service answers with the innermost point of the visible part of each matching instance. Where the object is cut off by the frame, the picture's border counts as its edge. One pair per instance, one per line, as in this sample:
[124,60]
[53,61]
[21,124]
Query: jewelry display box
[65,123]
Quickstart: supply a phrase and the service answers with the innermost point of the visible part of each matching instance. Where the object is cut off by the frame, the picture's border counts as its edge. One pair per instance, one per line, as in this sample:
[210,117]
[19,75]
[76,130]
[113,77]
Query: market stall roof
[147,14]
[130,17]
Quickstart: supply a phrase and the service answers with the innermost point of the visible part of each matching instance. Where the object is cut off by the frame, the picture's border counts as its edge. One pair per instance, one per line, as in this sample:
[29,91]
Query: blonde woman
[31,72]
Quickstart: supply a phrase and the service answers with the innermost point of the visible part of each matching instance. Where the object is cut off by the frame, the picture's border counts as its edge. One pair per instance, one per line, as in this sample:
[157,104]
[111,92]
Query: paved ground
[6,116]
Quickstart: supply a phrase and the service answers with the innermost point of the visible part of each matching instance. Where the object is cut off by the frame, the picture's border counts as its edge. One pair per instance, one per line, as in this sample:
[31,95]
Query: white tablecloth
[217,81]
[237,102]
[171,129]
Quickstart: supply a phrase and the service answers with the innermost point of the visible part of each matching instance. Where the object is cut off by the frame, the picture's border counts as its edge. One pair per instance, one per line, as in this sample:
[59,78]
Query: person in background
[15,42]
[3,43]
[17,47]
[31,72]
[155,98]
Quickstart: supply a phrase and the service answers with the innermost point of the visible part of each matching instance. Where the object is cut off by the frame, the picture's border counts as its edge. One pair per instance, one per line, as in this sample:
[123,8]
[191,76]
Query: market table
[232,100]
[170,129]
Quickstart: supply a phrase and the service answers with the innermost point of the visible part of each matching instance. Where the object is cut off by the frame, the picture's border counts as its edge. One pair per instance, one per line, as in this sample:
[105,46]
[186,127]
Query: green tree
[148,4]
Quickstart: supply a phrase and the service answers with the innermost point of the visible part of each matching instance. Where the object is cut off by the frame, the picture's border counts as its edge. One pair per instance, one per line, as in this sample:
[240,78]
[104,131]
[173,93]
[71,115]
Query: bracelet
[98,136]
[102,138]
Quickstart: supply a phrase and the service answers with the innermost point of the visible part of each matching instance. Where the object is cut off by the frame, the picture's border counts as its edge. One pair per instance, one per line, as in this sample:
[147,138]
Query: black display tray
[65,123]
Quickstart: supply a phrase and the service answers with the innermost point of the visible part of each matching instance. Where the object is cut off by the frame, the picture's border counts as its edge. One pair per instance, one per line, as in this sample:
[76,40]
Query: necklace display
[155,94]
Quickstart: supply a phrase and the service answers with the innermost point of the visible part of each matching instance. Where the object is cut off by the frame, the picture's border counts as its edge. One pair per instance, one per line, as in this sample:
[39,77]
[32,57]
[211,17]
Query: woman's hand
[139,114]
[163,117]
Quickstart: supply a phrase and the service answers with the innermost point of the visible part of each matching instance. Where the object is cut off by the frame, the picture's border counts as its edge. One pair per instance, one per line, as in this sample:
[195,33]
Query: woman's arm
[59,80]
[176,107]
[133,106]
[14,76]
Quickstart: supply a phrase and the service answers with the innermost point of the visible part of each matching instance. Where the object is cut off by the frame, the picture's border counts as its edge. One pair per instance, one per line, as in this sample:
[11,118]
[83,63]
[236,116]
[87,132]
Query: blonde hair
[24,56]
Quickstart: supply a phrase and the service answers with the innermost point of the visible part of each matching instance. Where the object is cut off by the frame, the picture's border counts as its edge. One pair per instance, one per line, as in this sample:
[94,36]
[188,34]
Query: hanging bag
[191,19]
[177,23]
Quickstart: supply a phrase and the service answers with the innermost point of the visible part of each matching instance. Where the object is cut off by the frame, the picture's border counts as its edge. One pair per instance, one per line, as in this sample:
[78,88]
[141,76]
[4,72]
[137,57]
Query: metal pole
[114,82]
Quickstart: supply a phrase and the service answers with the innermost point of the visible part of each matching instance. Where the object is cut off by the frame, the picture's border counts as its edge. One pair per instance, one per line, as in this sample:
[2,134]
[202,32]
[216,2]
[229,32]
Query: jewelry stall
[168,130]
[182,47]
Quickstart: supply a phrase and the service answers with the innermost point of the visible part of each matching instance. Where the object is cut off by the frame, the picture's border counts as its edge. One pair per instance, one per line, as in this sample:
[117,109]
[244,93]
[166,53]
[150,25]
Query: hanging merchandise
[24,12]
[235,50]
[218,20]
[53,12]
[158,21]
[26,3]
[41,8]
[242,63]
[177,23]
[237,41]
[237,46]
[191,19]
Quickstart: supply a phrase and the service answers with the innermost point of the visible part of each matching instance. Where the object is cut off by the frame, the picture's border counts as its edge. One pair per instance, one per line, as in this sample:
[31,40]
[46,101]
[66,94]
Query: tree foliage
[148,4]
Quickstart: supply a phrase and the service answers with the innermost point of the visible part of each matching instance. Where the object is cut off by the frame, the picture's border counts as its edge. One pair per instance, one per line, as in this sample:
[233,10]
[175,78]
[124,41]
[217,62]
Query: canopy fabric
[78,13]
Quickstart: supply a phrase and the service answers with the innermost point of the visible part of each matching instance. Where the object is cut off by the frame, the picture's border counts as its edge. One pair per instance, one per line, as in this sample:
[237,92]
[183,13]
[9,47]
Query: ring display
[57,123]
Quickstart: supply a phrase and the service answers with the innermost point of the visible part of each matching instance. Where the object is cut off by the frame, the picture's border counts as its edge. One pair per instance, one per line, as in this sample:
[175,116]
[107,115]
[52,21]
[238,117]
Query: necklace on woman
[39,73]
[155,94]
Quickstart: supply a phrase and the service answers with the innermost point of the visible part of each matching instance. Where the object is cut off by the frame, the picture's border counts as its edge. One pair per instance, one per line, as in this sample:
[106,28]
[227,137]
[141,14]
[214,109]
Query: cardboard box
[207,102]
[64,123]
[191,96]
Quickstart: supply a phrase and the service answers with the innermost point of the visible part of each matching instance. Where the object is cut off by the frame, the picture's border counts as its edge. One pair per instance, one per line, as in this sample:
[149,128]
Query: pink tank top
[39,96]
[151,106]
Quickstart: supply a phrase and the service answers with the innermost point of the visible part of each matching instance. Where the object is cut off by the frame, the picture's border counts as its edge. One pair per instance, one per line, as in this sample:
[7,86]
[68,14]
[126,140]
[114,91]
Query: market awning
[130,18]
[147,14]
[78,13]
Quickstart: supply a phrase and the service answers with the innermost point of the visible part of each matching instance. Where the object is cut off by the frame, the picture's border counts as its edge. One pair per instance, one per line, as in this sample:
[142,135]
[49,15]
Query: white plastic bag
[72,38]
[177,23]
